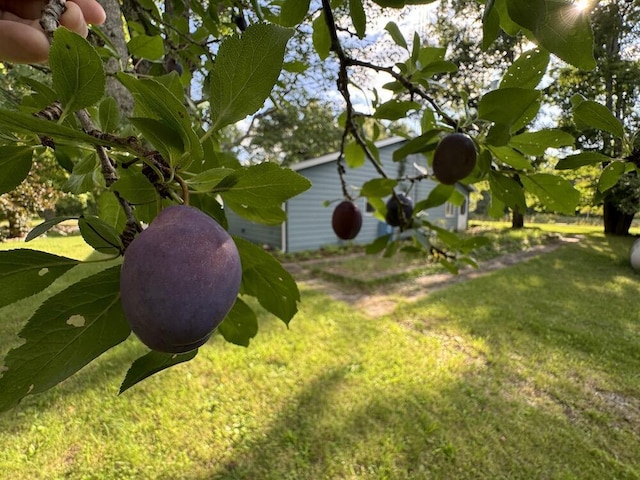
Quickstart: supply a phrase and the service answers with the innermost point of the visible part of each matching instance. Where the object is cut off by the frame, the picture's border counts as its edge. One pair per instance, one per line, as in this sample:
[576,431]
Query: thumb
[23,43]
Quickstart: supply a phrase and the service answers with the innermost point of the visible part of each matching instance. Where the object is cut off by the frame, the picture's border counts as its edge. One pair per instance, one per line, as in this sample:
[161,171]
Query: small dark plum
[454,158]
[393,216]
[346,220]
[179,279]
[172,65]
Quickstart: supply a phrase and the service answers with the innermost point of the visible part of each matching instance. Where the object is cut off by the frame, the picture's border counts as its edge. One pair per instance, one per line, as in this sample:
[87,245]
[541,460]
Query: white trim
[283,231]
[332,157]
[449,210]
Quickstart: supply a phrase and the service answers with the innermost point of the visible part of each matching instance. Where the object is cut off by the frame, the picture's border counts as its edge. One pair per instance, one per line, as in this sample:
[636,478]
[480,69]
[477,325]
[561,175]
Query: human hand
[22,40]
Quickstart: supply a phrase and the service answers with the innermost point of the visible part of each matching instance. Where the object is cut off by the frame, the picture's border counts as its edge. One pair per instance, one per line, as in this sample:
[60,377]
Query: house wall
[261,234]
[309,222]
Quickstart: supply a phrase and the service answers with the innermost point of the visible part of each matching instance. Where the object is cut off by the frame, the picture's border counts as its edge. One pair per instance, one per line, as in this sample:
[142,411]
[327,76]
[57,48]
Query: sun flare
[581,5]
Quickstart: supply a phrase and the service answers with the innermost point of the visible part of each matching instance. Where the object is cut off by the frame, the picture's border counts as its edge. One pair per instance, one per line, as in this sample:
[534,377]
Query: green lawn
[531,372]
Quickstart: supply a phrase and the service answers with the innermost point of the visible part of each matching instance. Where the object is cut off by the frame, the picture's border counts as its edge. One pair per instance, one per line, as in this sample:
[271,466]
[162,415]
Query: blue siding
[308,226]
[261,234]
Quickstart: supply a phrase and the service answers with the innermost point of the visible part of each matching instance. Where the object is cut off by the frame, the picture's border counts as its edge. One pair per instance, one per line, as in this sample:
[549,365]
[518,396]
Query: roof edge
[332,157]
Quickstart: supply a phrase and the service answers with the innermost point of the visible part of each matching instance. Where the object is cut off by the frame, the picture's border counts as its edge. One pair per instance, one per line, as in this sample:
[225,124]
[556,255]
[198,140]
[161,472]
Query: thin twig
[351,127]
[50,19]
[406,83]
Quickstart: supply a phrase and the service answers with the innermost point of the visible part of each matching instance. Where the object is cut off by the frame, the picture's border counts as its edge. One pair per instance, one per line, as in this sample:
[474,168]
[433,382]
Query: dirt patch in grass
[381,299]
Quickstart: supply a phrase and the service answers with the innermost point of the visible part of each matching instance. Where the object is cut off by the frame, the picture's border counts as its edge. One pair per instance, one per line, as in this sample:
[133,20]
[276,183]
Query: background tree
[613,83]
[289,134]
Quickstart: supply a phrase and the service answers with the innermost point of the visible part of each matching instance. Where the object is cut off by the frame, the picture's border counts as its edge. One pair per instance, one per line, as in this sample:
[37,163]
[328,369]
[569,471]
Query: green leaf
[77,70]
[111,211]
[395,109]
[109,115]
[505,106]
[527,71]
[422,143]
[321,37]
[163,137]
[580,160]
[507,190]
[378,187]
[266,279]
[152,363]
[147,47]
[209,179]
[264,215]
[358,17]
[25,272]
[527,13]
[45,227]
[378,245]
[610,175]
[293,12]
[536,143]
[240,324]
[134,186]
[490,25]
[566,32]
[354,154]
[556,193]
[68,331]
[100,235]
[590,114]
[19,122]
[262,185]
[85,175]
[155,101]
[439,195]
[509,156]
[15,165]
[295,66]
[401,3]
[245,71]
[396,35]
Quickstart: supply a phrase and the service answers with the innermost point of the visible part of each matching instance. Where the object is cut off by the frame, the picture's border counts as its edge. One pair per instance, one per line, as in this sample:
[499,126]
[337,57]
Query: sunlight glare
[581,5]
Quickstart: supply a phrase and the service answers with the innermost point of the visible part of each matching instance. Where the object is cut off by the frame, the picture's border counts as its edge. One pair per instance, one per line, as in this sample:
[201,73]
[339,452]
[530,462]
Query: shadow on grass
[486,434]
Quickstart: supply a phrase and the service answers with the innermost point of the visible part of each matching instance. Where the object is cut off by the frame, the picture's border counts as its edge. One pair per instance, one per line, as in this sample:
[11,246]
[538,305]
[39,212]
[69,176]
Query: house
[308,225]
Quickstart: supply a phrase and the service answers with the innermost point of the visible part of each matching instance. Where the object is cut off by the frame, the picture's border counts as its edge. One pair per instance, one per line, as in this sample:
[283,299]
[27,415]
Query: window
[368,208]
[449,209]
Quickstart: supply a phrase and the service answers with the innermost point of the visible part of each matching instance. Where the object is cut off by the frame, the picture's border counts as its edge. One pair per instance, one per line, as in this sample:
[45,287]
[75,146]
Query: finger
[30,10]
[73,19]
[92,11]
[20,43]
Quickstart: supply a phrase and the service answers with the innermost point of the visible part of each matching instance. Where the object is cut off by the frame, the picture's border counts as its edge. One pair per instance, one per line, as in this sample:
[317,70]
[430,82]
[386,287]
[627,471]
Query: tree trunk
[114,29]
[517,219]
[615,221]
[18,224]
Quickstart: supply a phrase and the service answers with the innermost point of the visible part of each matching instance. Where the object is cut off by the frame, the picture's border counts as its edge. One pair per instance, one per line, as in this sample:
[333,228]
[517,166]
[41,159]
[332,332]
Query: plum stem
[185,189]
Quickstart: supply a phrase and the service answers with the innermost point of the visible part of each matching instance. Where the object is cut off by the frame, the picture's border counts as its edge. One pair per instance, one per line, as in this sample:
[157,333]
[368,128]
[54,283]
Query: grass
[367,271]
[529,372]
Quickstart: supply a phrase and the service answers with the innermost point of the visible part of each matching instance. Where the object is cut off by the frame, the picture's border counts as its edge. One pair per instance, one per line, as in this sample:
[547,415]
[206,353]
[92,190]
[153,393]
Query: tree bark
[615,221]
[18,224]
[517,219]
[114,29]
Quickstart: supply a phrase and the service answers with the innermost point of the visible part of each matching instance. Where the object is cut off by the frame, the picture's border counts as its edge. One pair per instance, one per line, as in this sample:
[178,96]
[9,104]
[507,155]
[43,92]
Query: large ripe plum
[180,277]
[394,217]
[346,220]
[454,158]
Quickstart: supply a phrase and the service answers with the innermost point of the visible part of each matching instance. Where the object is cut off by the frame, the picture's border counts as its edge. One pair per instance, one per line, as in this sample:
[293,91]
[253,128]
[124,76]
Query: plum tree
[399,210]
[454,158]
[346,220]
[179,279]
